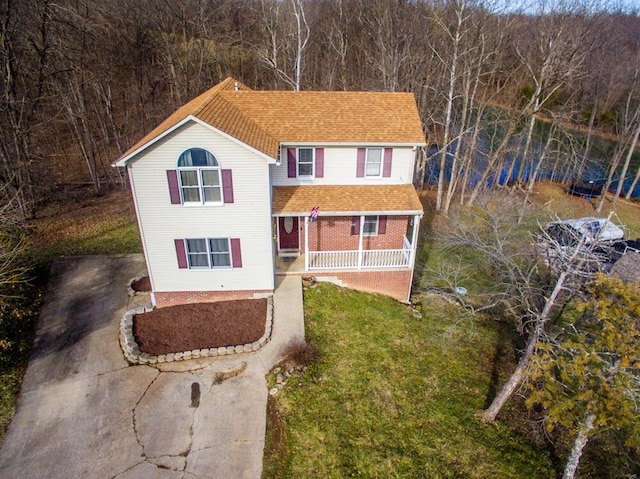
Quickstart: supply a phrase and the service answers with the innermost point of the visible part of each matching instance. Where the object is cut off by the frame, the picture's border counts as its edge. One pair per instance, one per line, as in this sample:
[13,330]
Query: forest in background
[499,88]
[507,94]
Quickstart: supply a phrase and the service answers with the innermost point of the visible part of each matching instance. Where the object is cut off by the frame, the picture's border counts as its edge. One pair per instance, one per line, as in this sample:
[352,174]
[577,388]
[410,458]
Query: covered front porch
[345,260]
[345,228]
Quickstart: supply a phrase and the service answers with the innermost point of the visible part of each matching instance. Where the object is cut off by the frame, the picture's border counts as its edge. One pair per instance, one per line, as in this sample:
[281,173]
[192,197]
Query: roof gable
[264,119]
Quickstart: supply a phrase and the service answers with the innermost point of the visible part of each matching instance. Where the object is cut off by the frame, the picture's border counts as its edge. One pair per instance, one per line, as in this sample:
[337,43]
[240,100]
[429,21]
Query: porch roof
[346,200]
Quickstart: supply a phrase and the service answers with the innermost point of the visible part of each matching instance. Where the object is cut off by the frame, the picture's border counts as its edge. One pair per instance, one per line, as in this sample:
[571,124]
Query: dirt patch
[275,446]
[199,326]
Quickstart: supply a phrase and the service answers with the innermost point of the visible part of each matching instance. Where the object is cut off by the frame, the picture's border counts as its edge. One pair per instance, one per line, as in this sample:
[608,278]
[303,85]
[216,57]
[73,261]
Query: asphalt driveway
[85,412]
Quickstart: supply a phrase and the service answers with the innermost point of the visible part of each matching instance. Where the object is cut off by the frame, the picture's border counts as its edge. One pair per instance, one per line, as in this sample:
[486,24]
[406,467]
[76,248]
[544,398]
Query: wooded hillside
[82,80]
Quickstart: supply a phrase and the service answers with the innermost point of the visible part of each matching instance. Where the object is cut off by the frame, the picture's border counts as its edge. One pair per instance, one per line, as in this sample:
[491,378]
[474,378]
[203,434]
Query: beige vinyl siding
[248,218]
[340,169]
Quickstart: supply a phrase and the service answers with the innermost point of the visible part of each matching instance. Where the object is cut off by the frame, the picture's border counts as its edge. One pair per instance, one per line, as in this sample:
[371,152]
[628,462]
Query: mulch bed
[186,327]
[142,285]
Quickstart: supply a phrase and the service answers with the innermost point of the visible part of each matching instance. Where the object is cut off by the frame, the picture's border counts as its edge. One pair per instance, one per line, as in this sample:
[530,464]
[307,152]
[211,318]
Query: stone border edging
[133,354]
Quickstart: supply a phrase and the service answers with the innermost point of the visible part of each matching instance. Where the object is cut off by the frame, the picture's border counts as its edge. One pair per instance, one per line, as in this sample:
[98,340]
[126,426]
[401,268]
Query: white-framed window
[370,227]
[208,253]
[373,165]
[305,163]
[199,177]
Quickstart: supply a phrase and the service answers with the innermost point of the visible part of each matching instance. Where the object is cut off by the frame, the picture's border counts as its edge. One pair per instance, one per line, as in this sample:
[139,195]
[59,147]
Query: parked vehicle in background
[590,244]
[586,188]
[588,230]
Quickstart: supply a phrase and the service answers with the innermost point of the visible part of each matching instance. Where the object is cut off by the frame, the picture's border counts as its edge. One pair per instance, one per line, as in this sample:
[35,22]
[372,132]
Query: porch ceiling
[346,200]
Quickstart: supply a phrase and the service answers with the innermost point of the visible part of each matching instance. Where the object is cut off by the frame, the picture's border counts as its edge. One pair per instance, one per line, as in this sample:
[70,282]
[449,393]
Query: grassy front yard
[395,396]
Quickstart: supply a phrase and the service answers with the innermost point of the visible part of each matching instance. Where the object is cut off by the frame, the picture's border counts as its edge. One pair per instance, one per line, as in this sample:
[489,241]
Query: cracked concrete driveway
[85,412]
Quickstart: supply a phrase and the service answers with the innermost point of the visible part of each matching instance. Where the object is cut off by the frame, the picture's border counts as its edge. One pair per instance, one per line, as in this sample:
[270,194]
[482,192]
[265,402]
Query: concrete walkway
[85,412]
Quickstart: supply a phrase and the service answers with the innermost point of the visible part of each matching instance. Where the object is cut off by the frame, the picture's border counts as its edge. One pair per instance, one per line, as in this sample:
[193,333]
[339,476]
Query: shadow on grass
[504,358]
[425,238]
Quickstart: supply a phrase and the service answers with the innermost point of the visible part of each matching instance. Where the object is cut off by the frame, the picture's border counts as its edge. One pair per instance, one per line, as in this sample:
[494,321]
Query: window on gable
[374,162]
[199,174]
[305,162]
[209,253]
[370,227]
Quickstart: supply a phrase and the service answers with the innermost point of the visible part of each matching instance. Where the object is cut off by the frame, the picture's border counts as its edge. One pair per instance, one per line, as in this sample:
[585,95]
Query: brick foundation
[396,284]
[172,298]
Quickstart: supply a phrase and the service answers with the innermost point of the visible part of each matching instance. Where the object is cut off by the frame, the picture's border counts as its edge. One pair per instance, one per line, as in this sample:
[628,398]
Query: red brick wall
[172,298]
[334,234]
[396,284]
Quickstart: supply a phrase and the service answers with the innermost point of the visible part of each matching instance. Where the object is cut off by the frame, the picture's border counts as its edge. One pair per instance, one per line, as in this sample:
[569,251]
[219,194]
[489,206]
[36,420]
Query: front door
[288,232]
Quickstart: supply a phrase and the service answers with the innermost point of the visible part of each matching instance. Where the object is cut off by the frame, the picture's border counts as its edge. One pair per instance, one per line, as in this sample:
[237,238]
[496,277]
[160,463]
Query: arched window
[199,174]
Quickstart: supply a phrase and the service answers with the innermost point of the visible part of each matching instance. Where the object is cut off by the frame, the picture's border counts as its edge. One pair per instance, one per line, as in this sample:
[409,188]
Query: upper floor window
[199,174]
[305,162]
[374,162]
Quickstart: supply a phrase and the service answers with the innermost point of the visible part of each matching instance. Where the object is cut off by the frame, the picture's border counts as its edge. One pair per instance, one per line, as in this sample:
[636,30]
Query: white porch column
[360,242]
[306,243]
[414,239]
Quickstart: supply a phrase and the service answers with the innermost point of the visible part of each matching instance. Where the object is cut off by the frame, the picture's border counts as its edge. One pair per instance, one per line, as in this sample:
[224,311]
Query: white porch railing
[381,258]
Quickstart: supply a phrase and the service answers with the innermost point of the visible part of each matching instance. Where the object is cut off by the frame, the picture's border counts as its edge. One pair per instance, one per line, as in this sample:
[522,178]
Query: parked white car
[598,240]
[591,230]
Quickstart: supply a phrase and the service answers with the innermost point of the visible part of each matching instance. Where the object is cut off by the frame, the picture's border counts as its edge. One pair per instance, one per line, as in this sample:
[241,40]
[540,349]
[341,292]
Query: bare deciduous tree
[532,283]
[287,35]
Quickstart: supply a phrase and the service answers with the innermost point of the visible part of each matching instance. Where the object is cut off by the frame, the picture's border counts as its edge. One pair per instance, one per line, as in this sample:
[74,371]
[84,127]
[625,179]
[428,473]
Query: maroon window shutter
[236,255]
[291,162]
[386,167]
[382,225]
[174,187]
[355,225]
[362,154]
[319,162]
[181,253]
[227,186]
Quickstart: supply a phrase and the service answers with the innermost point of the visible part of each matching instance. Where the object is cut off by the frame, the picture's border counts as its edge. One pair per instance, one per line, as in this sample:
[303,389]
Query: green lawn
[395,396]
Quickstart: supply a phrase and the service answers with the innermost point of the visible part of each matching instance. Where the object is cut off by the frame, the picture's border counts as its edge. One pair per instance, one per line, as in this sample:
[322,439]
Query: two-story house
[238,186]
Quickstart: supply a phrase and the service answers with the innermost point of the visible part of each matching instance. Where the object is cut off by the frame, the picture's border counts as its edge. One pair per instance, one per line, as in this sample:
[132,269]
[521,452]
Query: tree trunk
[534,175]
[578,446]
[625,167]
[489,414]
[587,145]
[633,185]
[615,161]
[453,77]
[492,162]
